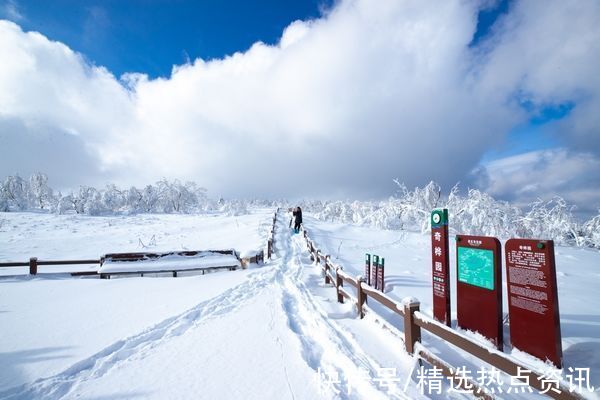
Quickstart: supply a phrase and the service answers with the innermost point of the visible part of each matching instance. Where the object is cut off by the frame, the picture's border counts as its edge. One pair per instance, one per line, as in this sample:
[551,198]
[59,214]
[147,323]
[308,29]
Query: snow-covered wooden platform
[140,263]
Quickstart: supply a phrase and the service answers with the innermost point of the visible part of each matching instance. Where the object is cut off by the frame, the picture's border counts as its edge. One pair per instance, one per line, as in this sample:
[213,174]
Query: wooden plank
[14,264]
[331,278]
[84,273]
[459,382]
[383,299]
[491,356]
[68,262]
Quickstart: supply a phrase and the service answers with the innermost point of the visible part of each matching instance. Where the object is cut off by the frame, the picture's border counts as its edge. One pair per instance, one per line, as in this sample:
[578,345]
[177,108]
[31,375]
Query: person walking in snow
[297,214]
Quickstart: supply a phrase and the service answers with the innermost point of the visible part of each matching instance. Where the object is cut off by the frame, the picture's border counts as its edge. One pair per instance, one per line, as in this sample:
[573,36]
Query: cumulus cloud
[339,107]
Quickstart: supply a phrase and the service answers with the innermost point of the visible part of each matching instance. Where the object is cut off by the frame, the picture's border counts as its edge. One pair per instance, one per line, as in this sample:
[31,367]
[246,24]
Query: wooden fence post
[412,331]
[269,248]
[361,297]
[33,266]
[327,269]
[339,282]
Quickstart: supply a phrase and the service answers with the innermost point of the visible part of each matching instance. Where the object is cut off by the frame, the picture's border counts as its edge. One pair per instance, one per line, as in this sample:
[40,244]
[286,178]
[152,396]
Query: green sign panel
[476,267]
[439,218]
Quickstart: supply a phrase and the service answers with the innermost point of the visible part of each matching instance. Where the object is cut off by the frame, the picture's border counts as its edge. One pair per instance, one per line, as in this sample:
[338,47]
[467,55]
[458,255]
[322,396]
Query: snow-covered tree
[113,198]
[15,193]
[591,231]
[40,194]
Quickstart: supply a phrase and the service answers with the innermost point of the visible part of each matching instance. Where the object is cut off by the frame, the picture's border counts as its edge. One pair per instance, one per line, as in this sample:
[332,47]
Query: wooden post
[412,331]
[339,282]
[33,266]
[327,280]
[361,296]
[269,248]
[174,274]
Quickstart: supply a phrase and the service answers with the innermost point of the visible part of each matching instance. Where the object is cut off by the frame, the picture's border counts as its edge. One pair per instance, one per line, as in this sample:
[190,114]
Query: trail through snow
[272,336]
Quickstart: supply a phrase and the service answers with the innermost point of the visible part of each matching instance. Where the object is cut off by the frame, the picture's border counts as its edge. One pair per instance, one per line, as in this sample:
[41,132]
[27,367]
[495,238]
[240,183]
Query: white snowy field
[75,237]
[269,332]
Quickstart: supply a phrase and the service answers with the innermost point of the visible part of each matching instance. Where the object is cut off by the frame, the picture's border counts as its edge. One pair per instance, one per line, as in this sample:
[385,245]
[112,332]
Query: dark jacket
[297,216]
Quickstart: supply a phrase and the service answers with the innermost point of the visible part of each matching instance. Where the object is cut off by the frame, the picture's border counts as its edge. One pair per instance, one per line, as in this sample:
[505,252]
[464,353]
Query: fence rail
[415,322]
[34,262]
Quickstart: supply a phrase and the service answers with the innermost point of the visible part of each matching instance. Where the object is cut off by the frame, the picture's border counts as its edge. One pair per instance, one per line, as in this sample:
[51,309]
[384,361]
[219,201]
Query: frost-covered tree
[113,198]
[134,200]
[64,204]
[40,194]
[88,201]
[15,192]
[481,214]
[552,219]
[150,199]
[591,232]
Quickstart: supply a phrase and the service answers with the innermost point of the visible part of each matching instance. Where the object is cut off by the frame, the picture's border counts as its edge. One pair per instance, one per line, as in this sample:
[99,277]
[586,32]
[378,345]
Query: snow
[172,262]
[271,331]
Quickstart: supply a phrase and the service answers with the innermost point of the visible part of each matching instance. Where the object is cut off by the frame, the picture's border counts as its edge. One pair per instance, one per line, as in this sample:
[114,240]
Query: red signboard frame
[480,309]
[533,298]
[440,266]
[374,266]
[381,274]
[368,268]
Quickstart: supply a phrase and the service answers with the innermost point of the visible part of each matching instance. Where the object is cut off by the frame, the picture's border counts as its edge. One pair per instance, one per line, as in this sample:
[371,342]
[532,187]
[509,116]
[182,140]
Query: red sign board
[440,266]
[381,274]
[479,286]
[533,298]
[368,268]
[374,271]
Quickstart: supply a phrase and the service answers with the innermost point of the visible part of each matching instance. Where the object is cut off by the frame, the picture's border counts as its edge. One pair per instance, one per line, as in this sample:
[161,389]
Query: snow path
[205,351]
[326,345]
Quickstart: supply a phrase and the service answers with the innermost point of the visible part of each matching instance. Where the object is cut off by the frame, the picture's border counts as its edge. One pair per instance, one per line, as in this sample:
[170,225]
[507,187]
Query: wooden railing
[415,322]
[271,236]
[34,262]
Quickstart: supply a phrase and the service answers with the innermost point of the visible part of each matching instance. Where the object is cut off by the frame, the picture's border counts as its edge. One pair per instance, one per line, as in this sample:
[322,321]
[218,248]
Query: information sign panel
[479,286]
[533,298]
[476,267]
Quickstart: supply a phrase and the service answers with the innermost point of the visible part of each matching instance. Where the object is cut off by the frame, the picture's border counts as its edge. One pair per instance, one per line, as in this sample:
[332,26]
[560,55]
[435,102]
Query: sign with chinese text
[381,274]
[374,271]
[440,266]
[533,298]
[479,286]
[368,268]
[476,267]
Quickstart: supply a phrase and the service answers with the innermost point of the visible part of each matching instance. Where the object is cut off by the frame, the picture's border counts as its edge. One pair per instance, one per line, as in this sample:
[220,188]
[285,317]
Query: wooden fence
[271,236]
[34,263]
[415,322]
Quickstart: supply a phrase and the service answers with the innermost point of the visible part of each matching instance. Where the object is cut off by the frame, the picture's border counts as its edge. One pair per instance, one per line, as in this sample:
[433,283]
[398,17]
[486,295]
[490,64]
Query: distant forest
[476,213]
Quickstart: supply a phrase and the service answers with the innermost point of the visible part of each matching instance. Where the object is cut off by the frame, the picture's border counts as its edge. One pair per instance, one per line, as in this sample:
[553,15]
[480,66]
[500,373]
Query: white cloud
[545,174]
[340,106]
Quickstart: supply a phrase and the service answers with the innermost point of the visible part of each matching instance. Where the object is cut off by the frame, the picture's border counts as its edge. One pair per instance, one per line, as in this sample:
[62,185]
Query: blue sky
[151,36]
[228,93]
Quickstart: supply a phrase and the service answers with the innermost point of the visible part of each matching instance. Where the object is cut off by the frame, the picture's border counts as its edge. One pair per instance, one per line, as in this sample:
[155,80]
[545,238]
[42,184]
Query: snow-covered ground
[271,331]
